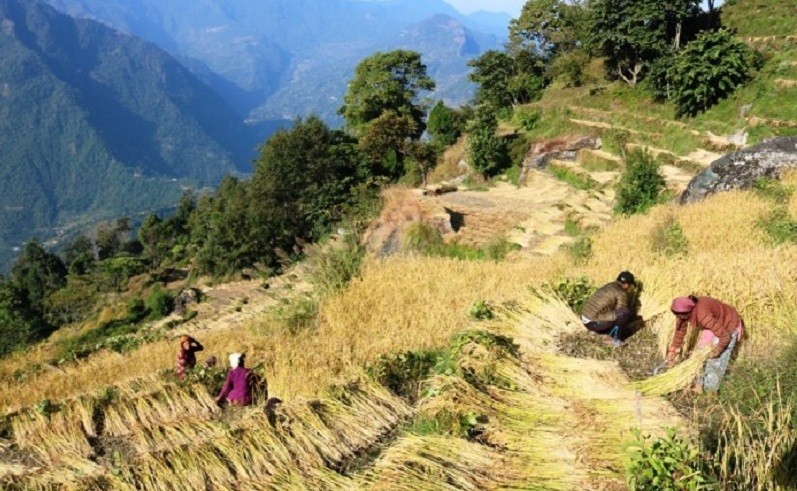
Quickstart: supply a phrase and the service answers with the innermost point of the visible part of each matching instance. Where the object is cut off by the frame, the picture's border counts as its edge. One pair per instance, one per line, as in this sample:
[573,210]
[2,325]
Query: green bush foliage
[159,303]
[445,124]
[575,291]
[779,226]
[709,69]
[334,265]
[668,463]
[580,250]
[641,185]
[668,238]
[487,152]
[403,373]
[299,314]
[481,310]
[773,189]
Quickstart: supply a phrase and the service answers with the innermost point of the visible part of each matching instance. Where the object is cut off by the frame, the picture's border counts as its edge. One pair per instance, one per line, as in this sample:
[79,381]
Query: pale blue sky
[511,7]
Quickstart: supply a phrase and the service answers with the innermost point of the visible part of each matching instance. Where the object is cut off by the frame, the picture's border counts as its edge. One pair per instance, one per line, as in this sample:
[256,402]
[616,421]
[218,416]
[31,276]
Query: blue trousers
[716,367]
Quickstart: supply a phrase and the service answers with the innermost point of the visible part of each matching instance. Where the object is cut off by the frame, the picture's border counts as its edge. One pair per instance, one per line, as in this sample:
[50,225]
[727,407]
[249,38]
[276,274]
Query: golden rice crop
[676,378]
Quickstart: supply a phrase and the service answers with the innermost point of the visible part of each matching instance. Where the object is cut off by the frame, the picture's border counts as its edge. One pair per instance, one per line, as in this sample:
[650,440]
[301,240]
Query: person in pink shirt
[237,389]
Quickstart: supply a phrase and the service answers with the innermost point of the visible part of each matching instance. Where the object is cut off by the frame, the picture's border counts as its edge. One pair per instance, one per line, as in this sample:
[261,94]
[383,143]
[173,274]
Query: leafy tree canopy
[504,80]
[38,273]
[383,82]
[548,27]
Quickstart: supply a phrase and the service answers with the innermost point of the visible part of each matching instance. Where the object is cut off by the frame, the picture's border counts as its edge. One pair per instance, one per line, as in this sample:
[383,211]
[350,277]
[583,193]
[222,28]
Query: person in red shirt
[186,357]
[238,387]
[721,328]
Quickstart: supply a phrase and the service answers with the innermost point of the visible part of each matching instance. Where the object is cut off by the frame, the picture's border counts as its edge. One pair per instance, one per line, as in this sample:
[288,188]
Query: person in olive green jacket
[608,311]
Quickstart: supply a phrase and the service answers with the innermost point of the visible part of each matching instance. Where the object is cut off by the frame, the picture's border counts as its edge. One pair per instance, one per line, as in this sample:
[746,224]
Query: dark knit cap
[626,277]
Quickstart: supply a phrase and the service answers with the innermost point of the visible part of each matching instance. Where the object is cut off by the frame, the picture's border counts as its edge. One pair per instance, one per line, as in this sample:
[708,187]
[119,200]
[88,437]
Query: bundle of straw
[676,378]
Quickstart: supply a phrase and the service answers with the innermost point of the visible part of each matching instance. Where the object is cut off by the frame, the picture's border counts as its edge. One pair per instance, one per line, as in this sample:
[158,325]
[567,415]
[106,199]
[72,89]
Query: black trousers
[622,317]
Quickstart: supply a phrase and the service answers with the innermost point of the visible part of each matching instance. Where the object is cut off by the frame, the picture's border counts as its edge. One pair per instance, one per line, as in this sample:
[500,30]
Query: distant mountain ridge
[283,58]
[98,124]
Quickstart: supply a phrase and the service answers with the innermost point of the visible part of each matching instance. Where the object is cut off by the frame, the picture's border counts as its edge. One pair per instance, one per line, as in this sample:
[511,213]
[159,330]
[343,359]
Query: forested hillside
[282,59]
[412,309]
[97,124]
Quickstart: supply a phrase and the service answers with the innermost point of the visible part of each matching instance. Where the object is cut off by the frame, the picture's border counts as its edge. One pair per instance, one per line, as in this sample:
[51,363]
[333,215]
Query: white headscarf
[235,359]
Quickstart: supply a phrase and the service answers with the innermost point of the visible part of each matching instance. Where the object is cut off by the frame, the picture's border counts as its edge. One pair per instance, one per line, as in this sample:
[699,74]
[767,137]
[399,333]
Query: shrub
[297,315]
[333,266]
[499,248]
[779,226]
[481,310]
[668,238]
[570,67]
[641,185]
[574,291]
[420,236]
[487,152]
[402,373]
[666,464]
[159,303]
[772,189]
[709,69]
[580,250]
[576,180]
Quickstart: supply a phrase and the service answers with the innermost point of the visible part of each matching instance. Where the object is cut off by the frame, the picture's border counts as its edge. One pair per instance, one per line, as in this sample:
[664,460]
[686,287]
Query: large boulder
[564,148]
[741,169]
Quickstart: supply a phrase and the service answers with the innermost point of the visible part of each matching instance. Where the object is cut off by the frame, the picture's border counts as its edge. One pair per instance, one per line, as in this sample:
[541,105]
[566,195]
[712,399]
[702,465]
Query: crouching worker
[608,311]
[237,389]
[721,328]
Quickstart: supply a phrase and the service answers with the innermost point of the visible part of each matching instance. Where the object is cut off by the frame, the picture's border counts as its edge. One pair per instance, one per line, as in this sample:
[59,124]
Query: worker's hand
[670,359]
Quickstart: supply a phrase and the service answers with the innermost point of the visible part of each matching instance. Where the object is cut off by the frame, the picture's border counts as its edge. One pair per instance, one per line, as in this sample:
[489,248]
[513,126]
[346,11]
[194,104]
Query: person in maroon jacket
[186,357]
[237,389]
[722,327]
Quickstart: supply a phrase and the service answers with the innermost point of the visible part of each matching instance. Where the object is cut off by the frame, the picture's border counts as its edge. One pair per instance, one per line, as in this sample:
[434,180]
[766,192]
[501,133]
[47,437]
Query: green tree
[301,181]
[19,325]
[386,136]
[548,27]
[504,80]
[71,303]
[38,273]
[223,232]
[487,152]
[79,255]
[707,70]
[445,124]
[390,81]
[630,34]
[155,238]
[641,185]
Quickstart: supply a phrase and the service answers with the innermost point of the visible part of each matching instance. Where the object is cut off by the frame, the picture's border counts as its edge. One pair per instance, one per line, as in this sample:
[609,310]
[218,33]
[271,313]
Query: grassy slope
[414,303]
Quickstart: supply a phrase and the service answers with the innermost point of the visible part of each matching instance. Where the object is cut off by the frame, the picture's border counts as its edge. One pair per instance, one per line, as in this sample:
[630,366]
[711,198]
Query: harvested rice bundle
[676,378]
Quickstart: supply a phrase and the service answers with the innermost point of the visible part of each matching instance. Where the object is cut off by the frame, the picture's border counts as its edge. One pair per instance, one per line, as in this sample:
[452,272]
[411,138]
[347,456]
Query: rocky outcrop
[542,152]
[741,169]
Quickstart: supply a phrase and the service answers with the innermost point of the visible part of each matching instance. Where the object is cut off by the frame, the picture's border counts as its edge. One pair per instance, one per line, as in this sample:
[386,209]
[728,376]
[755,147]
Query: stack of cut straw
[676,378]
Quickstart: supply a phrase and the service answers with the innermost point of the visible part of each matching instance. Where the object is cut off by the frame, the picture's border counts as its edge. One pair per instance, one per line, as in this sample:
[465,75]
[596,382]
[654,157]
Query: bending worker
[722,327]
[608,310]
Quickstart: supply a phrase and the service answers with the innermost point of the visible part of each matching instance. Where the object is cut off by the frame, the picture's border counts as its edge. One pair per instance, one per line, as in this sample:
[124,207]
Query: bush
[641,185]
[709,69]
[580,250]
[574,291]
[487,152]
[159,303]
[481,310]
[333,266]
[772,189]
[297,315]
[668,238]
[403,373]
[419,236]
[779,226]
[664,464]
[570,67]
